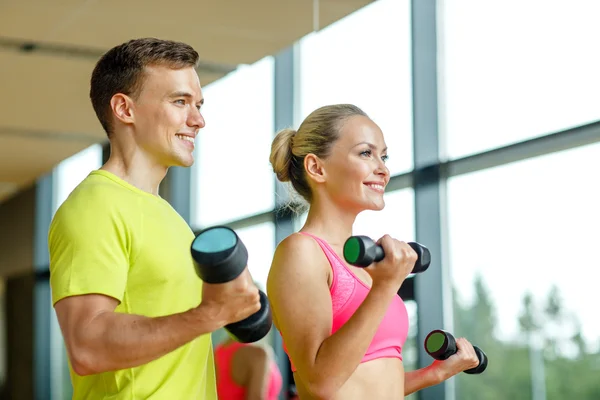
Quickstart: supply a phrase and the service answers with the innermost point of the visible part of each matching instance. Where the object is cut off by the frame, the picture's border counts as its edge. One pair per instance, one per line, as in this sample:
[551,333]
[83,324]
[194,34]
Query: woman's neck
[330,223]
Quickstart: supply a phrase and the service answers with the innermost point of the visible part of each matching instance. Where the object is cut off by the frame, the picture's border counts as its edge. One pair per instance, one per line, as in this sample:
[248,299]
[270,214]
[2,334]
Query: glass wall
[397,218]
[517,234]
[364,59]
[259,240]
[513,70]
[519,241]
[232,152]
[70,172]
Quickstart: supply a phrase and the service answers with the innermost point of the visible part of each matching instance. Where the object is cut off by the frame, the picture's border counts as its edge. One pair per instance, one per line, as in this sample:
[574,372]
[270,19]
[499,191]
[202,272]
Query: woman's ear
[314,167]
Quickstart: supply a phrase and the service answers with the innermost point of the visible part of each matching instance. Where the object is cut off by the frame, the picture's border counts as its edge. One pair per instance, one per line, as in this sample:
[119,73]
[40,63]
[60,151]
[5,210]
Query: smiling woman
[355,326]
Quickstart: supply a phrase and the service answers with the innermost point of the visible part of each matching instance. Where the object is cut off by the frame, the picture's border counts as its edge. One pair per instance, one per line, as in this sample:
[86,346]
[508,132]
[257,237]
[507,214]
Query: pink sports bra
[347,294]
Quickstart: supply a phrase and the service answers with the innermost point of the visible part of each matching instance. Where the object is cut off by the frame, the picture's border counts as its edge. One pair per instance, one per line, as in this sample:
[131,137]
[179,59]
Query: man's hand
[232,301]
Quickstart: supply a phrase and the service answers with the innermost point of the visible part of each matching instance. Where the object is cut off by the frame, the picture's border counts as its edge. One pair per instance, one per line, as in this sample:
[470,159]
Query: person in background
[246,371]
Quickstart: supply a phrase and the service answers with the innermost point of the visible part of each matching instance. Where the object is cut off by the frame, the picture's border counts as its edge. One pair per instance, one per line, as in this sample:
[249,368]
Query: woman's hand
[464,359]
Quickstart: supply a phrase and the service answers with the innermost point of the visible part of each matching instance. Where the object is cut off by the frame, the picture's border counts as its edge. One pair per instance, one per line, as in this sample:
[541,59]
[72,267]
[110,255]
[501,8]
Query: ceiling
[48,50]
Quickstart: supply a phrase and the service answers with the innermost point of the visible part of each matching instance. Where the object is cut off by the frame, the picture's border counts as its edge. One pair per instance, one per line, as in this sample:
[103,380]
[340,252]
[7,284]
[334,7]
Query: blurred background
[491,113]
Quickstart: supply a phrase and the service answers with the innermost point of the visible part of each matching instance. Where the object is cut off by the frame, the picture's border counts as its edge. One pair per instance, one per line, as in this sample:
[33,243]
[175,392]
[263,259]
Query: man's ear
[315,168]
[122,108]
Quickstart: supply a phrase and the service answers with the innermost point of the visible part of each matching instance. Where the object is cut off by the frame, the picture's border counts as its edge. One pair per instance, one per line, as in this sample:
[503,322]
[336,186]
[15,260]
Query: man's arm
[98,339]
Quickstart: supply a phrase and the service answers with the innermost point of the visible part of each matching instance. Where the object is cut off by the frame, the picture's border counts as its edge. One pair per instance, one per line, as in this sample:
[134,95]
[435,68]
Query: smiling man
[135,317]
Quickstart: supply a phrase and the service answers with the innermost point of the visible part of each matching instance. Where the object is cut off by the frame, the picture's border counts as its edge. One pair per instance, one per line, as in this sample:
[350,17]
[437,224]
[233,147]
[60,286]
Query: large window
[397,218]
[260,243]
[512,70]
[364,59]
[73,170]
[521,240]
[232,155]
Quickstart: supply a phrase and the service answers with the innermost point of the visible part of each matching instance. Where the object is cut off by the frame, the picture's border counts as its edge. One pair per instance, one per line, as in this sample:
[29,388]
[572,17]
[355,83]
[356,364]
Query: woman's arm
[299,294]
[465,358]
[421,379]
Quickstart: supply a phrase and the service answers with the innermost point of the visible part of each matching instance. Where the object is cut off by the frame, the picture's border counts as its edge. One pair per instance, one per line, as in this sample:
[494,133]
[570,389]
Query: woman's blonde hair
[316,135]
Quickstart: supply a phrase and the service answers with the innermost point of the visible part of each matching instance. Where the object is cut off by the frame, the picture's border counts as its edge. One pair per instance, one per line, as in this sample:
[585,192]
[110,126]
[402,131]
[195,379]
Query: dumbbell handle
[362,251]
[441,345]
[379,253]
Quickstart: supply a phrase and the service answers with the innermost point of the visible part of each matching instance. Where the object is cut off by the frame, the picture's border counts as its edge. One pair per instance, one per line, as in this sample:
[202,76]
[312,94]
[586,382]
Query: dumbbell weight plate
[219,255]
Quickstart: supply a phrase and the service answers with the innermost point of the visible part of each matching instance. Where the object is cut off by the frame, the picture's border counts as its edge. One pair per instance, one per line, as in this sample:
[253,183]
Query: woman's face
[355,171]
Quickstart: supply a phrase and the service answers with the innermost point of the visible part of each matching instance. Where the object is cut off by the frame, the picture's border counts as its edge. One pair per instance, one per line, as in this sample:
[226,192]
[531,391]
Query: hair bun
[281,154]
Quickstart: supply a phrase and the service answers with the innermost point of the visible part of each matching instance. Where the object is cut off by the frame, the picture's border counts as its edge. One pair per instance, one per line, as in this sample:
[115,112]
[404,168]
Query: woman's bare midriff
[379,379]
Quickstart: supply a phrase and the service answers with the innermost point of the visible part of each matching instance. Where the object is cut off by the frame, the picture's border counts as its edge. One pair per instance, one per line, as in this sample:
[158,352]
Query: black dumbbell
[441,345]
[362,251]
[220,257]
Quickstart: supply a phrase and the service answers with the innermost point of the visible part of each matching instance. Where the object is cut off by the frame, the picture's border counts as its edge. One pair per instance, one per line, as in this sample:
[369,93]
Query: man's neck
[137,170]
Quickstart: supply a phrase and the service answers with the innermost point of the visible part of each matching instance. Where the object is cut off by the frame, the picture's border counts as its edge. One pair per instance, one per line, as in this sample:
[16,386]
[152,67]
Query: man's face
[167,115]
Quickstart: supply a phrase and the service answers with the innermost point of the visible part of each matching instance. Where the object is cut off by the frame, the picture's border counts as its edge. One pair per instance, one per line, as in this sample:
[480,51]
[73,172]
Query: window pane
[75,169]
[232,156]
[520,237]
[260,243]
[397,218]
[513,70]
[365,59]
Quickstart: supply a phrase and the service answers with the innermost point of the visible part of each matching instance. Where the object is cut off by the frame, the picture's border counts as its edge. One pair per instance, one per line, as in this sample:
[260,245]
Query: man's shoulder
[95,198]
[97,188]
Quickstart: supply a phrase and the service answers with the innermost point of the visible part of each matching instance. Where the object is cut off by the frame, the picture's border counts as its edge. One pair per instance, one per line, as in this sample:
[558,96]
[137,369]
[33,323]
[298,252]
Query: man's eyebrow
[184,94]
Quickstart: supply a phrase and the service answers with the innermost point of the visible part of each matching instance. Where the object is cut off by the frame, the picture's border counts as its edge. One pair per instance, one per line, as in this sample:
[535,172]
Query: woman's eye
[366,153]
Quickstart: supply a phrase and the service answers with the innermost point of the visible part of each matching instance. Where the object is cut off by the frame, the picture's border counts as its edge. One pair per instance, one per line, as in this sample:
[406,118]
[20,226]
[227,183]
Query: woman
[343,327]
[246,372]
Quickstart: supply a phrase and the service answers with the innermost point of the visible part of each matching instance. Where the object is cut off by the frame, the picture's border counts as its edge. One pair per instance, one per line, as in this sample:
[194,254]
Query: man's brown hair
[121,70]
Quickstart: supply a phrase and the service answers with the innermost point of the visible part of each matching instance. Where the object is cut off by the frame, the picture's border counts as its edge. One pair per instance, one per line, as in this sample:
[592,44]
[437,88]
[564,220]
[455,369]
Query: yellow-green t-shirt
[112,238]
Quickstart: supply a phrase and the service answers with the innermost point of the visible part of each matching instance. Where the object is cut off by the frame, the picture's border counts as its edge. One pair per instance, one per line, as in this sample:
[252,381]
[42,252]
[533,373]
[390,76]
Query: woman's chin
[376,206]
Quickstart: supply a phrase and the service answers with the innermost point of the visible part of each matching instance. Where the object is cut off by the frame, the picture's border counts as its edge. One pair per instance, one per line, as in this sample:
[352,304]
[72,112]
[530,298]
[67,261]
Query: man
[135,317]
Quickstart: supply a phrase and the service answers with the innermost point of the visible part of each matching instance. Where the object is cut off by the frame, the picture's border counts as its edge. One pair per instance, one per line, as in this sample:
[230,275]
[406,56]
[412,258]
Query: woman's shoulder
[298,250]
